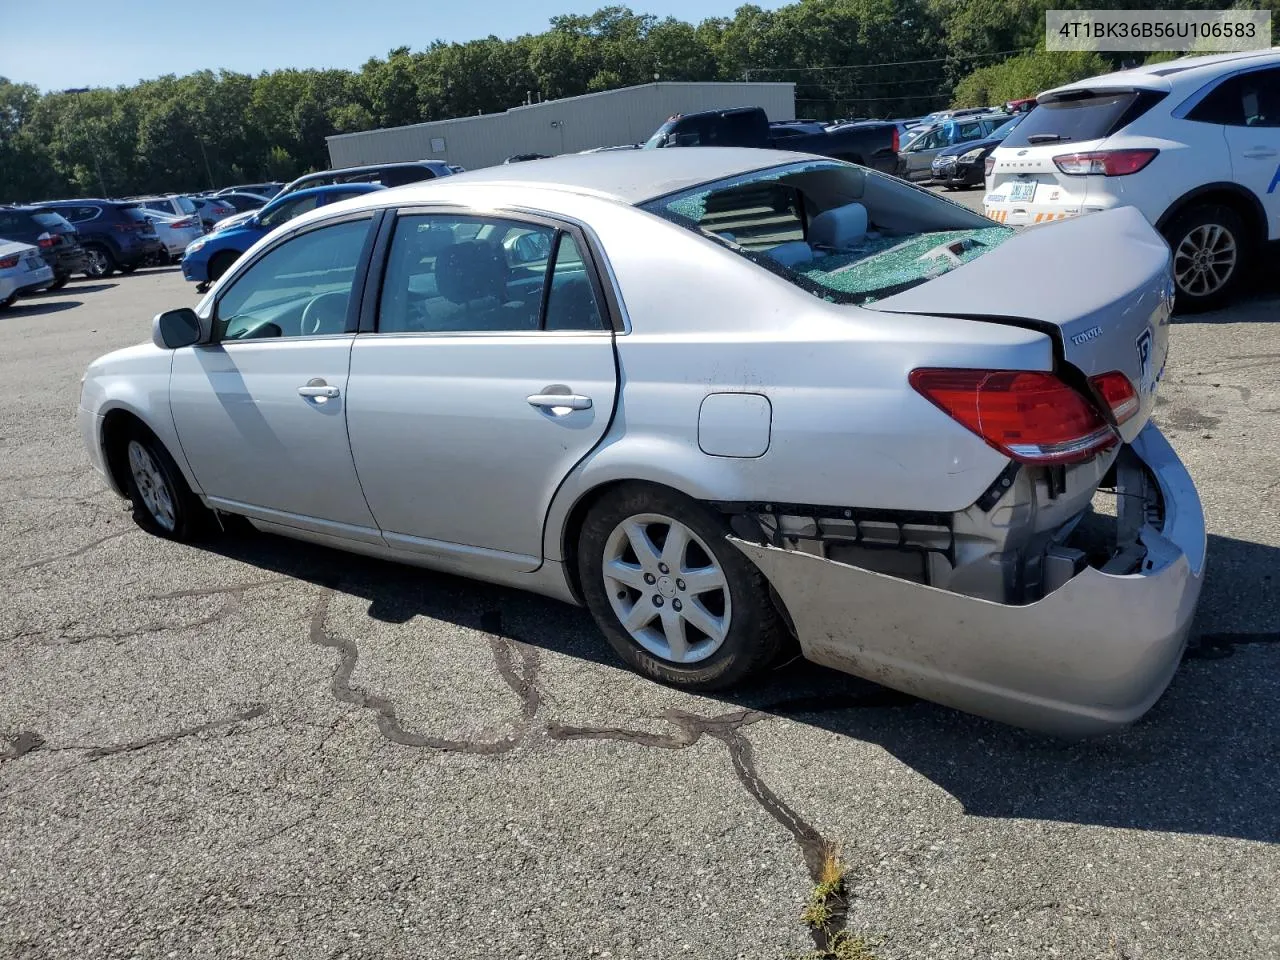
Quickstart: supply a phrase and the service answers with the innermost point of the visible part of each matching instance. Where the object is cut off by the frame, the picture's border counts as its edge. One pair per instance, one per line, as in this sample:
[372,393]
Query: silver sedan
[720,397]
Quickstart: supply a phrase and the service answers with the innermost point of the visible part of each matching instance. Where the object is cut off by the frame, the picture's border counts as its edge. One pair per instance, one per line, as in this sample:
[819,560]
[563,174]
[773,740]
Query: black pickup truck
[871,143]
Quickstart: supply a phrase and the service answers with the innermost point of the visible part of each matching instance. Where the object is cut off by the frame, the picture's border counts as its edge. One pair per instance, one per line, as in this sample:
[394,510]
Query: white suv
[1193,143]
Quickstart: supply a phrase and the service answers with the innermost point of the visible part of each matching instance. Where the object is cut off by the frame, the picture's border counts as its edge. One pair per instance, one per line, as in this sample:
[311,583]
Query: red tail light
[46,240]
[895,138]
[1118,392]
[1108,163]
[1030,416]
[7,262]
[989,164]
[183,224]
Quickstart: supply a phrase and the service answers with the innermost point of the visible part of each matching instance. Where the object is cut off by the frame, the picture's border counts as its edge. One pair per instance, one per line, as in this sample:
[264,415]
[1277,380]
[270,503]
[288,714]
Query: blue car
[964,165]
[209,257]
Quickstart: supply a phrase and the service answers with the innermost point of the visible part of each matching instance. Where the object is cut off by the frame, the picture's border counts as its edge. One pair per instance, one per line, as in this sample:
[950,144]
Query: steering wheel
[326,313]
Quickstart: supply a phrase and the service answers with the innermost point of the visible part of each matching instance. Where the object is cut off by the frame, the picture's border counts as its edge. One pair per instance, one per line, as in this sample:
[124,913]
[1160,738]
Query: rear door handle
[568,401]
[1259,153]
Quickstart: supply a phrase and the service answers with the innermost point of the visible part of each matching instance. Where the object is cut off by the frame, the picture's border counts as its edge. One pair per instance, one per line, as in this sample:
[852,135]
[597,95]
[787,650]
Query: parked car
[171,205]
[51,234]
[915,162]
[22,271]
[386,174]
[713,447]
[965,164]
[115,234]
[175,233]
[245,204]
[212,209]
[209,256]
[1194,144]
[267,190]
[872,144]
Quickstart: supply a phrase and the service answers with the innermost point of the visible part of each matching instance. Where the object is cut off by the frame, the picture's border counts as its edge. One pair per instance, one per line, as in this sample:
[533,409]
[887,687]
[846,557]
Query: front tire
[221,263]
[1211,252]
[163,503]
[676,601]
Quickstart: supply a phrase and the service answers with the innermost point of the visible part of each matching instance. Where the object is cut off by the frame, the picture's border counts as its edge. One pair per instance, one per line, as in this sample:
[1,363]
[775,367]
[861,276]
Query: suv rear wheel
[99,262]
[1210,254]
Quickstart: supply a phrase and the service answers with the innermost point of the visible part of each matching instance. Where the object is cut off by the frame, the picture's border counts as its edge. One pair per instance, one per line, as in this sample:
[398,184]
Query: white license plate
[1022,190]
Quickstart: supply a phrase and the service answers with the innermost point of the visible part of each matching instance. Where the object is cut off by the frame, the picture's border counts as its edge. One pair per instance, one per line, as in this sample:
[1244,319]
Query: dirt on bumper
[1090,657]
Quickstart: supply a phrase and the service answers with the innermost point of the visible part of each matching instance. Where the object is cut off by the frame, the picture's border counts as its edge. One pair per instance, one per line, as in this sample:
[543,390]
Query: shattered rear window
[767,217]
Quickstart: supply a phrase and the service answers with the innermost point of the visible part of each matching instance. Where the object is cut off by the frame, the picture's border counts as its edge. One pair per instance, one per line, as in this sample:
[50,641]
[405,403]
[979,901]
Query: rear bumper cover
[1091,657]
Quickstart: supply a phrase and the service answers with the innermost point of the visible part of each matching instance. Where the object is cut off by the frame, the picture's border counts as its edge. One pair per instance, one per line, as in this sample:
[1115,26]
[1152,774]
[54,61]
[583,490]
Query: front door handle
[1259,153]
[318,390]
[554,401]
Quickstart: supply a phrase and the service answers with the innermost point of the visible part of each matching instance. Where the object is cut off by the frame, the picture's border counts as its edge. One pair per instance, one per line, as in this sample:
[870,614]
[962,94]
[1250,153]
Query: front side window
[300,288]
[461,274]
[286,211]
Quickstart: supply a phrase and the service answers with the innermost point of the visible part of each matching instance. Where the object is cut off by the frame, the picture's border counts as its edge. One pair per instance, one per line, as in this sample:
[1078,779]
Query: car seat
[840,228]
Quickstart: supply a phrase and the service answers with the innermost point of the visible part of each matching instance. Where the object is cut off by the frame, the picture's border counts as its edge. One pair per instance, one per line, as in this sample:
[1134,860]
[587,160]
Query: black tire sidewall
[755,630]
[187,510]
[224,260]
[1199,216]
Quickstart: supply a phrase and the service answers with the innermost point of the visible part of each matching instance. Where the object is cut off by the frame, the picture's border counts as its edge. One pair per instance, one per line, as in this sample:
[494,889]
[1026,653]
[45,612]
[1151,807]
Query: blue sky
[82,43]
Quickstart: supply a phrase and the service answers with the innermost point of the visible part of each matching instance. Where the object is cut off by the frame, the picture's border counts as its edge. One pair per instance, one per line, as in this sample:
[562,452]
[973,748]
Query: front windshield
[659,138]
[1004,128]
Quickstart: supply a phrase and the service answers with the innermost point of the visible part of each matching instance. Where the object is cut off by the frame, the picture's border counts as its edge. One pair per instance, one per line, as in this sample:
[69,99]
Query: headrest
[840,227]
[791,254]
[472,270]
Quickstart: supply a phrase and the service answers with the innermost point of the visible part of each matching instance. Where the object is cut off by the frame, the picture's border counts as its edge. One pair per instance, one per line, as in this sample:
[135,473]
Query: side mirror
[175,328]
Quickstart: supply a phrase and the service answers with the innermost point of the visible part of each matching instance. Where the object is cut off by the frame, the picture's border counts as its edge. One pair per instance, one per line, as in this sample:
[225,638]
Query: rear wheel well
[573,530]
[1245,204]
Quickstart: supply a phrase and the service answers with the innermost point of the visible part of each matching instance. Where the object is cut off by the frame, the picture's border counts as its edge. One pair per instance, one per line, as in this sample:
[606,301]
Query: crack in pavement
[517,664]
[79,550]
[132,746]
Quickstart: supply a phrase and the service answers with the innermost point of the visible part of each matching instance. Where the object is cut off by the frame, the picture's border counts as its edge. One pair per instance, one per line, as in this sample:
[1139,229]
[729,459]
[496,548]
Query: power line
[887,63]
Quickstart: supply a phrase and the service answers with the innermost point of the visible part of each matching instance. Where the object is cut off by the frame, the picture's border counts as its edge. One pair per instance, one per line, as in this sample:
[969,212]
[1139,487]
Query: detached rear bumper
[1090,657]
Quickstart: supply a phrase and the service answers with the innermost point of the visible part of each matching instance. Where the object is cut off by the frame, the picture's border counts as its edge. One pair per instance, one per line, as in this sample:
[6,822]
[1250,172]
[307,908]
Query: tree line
[848,58]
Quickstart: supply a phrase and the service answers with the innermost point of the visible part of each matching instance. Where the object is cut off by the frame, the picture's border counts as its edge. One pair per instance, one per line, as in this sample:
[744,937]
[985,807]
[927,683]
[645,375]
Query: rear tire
[58,284]
[1211,255]
[8,301]
[163,503]
[724,591]
[128,268]
[221,263]
[101,264]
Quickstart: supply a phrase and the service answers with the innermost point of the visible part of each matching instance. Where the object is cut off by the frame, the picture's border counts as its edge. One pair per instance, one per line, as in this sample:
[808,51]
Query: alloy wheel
[1205,260]
[96,264]
[152,486]
[666,588]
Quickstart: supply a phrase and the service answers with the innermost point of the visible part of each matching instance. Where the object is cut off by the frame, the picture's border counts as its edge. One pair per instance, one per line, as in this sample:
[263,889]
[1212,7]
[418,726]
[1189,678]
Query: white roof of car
[630,176]
[1176,74]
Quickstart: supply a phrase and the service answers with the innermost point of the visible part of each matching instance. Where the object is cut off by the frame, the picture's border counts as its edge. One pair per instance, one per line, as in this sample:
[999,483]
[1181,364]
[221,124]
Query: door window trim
[607,299]
[1190,103]
[358,281]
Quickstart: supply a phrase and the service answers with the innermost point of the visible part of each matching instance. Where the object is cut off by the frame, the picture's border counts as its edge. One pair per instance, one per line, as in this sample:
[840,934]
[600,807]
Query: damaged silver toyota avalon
[720,397]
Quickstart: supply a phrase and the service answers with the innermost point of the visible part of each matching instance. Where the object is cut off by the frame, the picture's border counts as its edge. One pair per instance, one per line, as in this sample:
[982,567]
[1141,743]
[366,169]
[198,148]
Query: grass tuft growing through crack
[826,903]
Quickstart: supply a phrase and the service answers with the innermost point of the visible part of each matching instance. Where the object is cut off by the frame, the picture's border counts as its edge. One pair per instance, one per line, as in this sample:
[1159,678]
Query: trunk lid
[1100,285]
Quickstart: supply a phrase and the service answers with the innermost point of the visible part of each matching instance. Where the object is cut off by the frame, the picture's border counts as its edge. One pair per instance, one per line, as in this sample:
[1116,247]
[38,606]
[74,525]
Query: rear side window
[1090,116]
[134,213]
[50,221]
[1249,100]
[13,222]
[185,205]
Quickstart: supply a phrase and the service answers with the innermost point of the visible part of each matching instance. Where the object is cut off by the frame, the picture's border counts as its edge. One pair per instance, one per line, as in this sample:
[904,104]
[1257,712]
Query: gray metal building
[628,115]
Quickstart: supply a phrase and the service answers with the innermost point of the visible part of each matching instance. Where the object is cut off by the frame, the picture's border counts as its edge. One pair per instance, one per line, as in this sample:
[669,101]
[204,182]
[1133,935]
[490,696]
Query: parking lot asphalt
[263,749]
